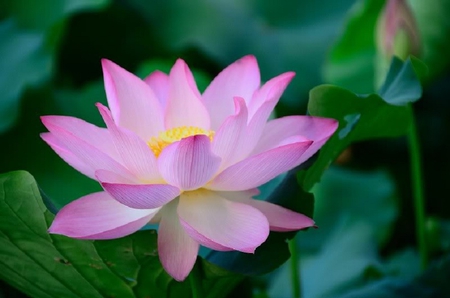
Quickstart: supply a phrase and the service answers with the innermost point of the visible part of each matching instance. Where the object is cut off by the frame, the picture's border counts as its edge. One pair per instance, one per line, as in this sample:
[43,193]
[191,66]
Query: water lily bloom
[191,162]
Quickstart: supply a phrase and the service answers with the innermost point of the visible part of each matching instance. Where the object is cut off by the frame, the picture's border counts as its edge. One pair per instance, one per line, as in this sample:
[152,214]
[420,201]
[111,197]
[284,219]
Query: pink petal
[184,106]
[159,82]
[240,79]
[135,153]
[262,105]
[91,134]
[230,140]
[98,216]
[259,169]
[142,196]
[177,251]
[271,91]
[132,102]
[202,240]
[92,157]
[111,177]
[67,155]
[281,219]
[316,129]
[188,163]
[221,222]
[136,195]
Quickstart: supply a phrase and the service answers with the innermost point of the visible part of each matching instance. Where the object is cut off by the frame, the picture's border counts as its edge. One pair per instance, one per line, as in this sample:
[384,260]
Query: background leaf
[29,42]
[434,28]
[431,284]
[352,224]
[28,63]
[353,55]
[228,30]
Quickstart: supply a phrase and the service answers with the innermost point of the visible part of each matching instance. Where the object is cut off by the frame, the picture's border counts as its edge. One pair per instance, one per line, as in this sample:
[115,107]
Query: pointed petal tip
[111,69]
[106,62]
[99,104]
[55,231]
[289,74]
[248,58]
[107,67]
[43,118]
[334,125]
[286,77]
[308,143]
[178,276]
[250,250]
[48,119]
[179,63]
[157,74]
[54,227]
[308,223]
[248,61]
[103,110]
[239,103]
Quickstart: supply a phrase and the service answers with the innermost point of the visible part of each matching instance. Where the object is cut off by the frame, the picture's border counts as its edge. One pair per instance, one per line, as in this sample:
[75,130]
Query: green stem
[418,192]
[295,274]
[196,285]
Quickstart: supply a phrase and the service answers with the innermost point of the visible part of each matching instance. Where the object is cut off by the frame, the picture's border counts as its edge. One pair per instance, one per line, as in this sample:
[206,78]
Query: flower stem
[417,188]
[196,285]
[295,274]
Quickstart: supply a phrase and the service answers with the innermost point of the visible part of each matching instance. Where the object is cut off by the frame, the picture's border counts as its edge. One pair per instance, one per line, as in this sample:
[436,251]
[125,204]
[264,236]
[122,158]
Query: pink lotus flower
[188,161]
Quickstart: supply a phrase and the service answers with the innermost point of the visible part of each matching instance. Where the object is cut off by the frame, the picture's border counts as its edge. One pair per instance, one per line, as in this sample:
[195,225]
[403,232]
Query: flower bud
[397,32]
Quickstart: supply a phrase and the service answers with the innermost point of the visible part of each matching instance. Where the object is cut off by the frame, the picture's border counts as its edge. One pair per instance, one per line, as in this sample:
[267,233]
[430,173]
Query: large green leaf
[363,117]
[44,265]
[360,118]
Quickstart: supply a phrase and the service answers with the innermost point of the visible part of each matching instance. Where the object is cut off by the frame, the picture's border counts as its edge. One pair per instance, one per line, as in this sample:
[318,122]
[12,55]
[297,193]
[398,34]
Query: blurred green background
[50,53]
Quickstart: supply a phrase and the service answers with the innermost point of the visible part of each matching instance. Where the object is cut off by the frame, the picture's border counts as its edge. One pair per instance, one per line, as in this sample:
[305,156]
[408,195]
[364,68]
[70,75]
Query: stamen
[165,138]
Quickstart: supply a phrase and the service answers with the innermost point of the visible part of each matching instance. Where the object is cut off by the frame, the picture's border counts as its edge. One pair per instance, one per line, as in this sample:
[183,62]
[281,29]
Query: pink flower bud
[397,32]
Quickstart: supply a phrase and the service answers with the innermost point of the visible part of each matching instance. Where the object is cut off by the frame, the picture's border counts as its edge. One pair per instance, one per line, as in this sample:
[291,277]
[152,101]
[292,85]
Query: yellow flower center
[165,138]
